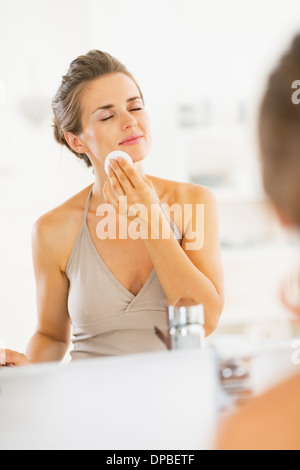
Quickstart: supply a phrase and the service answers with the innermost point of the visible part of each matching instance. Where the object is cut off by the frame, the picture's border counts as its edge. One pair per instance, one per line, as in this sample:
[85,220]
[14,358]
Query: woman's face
[114,118]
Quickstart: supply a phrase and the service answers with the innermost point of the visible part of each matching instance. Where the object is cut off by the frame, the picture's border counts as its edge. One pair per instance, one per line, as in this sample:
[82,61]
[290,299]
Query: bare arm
[195,269]
[186,271]
[52,336]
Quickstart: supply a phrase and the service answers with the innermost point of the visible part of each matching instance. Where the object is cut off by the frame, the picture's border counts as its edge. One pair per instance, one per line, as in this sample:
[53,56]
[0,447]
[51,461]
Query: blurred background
[202,67]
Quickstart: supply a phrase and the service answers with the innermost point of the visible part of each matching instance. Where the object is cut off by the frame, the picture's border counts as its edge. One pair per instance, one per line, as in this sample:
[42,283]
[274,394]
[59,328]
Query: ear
[75,143]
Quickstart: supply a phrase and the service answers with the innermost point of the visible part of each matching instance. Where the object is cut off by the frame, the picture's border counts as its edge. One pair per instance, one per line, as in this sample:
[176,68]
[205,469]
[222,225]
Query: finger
[115,183]
[132,175]
[122,177]
[12,358]
[7,357]
[109,197]
[2,357]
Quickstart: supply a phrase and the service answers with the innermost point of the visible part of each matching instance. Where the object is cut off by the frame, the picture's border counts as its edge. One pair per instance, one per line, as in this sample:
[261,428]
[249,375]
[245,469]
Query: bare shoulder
[269,422]
[187,196]
[56,230]
[172,192]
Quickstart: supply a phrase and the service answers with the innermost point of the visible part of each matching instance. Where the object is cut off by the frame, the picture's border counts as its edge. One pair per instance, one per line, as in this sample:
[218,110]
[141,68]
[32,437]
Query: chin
[138,158]
[136,155]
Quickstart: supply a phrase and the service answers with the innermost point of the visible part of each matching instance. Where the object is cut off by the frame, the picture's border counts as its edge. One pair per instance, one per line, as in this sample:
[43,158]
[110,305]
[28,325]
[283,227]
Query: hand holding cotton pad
[116,154]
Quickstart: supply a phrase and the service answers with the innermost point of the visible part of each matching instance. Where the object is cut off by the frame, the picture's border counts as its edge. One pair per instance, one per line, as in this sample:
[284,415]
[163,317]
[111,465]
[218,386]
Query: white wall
[38,39]
[180,52]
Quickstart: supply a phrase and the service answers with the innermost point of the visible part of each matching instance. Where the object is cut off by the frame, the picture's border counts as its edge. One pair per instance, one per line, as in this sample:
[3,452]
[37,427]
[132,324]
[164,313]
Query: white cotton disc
[116,154]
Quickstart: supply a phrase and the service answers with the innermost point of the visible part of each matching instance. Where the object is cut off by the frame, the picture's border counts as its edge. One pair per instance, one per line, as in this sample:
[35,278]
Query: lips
[132,140]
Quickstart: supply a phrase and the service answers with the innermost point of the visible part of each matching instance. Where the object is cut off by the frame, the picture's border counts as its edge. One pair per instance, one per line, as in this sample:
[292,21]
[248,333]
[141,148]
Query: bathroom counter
[163,400]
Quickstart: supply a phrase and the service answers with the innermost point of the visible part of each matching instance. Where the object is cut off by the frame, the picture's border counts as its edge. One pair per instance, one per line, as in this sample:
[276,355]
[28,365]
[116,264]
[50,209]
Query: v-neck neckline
[109,272]
[101,262]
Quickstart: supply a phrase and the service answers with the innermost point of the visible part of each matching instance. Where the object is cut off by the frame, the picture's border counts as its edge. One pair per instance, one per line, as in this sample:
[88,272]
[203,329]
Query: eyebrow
[109,106]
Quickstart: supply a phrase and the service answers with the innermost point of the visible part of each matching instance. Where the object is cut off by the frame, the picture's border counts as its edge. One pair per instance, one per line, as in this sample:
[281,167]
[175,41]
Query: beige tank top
[107,319]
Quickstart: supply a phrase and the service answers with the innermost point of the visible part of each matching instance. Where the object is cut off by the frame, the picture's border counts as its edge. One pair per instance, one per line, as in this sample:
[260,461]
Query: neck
[101,177]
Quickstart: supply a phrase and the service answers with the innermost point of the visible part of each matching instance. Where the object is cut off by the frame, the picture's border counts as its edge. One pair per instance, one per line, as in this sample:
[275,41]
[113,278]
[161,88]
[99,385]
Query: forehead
[110,89]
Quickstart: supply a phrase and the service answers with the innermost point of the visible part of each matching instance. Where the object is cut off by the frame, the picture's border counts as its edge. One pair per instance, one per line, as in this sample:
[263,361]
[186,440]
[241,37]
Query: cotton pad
[116,154]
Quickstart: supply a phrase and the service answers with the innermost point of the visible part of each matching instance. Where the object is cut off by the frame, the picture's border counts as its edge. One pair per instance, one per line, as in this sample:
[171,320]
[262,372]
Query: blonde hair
[66,104]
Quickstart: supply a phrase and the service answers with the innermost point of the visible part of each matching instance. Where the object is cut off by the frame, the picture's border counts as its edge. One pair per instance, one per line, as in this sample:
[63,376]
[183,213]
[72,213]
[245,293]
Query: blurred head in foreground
[272,420]
[279,136]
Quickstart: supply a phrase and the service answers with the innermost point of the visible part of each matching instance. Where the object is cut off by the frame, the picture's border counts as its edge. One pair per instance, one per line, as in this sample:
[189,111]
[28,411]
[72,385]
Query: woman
[111,290]
[271,421]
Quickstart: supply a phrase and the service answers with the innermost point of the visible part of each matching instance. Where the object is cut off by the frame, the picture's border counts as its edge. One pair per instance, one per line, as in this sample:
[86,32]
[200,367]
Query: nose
[128,120]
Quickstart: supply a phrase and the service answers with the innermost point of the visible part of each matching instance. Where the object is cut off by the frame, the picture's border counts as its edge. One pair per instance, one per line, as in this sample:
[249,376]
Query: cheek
[147,121]
[149,139]
[146,127]
[99,143]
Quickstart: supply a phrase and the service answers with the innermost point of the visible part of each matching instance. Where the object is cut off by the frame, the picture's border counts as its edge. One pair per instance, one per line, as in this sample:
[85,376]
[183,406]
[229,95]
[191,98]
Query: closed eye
[110,117]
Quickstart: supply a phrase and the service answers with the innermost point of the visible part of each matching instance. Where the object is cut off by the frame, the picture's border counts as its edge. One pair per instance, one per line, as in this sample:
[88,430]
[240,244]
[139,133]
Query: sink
[161,400]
